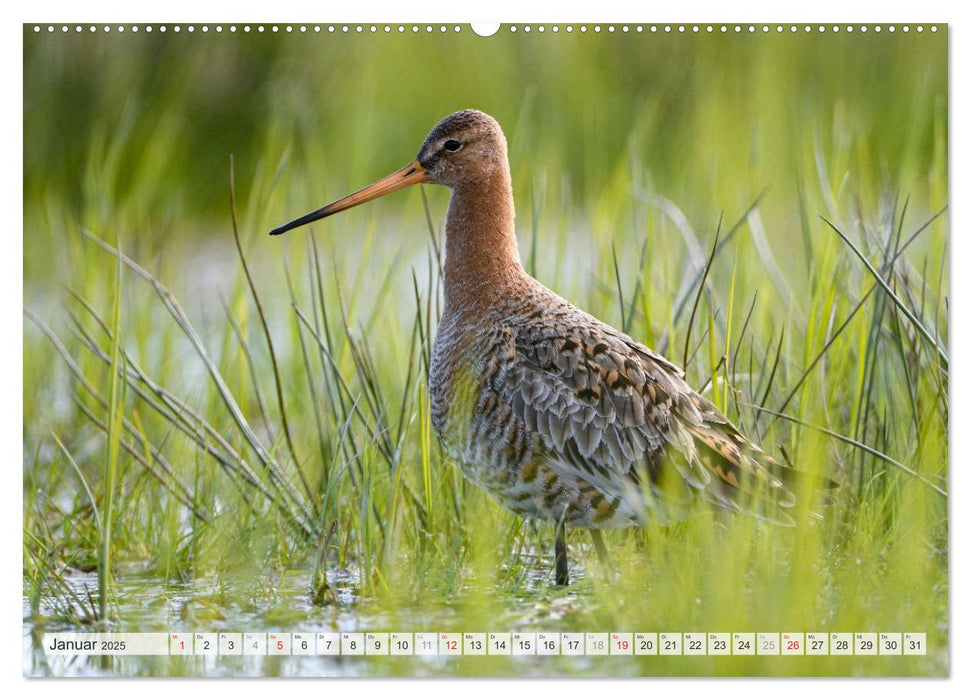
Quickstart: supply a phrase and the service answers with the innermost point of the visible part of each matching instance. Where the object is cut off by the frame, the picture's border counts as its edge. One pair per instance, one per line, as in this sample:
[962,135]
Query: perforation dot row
[428,28]
[289,28]
[723,28]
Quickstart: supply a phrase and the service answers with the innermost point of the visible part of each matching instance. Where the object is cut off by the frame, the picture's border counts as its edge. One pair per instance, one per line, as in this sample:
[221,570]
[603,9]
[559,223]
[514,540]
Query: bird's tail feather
[743,477]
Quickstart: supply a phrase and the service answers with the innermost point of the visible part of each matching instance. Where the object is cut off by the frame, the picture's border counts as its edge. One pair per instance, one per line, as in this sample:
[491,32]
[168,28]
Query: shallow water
[280,603]
[149,604]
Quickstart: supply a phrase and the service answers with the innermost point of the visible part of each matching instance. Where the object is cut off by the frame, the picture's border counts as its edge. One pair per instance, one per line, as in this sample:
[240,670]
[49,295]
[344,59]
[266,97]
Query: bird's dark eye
[452,145]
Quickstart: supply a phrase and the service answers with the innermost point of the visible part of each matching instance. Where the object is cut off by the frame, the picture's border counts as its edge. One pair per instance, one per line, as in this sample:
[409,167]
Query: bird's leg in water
[598,544]
[559,557]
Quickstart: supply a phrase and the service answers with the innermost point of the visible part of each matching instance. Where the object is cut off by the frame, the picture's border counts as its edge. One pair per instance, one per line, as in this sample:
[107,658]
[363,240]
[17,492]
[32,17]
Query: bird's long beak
[411,174]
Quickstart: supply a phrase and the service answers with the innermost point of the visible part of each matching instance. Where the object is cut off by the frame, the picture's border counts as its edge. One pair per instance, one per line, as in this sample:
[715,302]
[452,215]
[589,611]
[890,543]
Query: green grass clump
[224,430]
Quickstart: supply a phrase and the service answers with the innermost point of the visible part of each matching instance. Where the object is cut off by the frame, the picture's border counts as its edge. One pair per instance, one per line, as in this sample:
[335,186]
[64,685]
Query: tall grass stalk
[115,412]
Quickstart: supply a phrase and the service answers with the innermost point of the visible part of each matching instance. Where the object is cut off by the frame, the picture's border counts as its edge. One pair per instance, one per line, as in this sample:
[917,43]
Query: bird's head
[464,148]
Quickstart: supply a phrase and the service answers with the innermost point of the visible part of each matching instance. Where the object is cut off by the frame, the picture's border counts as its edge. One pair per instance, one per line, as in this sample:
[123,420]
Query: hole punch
[485,28]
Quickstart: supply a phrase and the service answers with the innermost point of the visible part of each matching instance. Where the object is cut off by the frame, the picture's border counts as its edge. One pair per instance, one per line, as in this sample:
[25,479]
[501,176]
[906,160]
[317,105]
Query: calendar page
[510,350]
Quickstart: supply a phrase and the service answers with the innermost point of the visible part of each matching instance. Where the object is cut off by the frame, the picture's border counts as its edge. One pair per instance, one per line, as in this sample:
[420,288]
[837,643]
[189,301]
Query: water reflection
[282,603]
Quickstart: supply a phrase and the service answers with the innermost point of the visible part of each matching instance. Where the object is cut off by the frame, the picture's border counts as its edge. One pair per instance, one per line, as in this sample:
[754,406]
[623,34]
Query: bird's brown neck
[481,255]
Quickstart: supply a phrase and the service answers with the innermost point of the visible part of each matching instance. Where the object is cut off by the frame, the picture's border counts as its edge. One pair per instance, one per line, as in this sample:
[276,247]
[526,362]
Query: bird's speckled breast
[474,360]
[475,426]
[455,388]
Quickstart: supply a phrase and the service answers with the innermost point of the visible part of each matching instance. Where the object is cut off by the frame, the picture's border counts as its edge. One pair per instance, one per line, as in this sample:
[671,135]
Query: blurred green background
[709,119]
[627,149]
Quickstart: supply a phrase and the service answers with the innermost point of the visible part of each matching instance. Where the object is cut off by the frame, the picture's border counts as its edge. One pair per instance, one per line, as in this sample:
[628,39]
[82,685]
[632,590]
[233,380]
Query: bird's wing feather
[612,409]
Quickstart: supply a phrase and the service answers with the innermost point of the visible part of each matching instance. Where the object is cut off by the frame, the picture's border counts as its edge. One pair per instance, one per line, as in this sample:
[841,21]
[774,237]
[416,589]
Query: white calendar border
[820,10]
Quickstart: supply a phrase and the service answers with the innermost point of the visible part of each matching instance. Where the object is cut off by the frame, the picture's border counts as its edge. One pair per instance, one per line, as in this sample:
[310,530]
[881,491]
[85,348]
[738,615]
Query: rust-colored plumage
[556,414]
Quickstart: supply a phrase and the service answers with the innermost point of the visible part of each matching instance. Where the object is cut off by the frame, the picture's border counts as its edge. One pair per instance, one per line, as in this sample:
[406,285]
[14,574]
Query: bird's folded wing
[612,409]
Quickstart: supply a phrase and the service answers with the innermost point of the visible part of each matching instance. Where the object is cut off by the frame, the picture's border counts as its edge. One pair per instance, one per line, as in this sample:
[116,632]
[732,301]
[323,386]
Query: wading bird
[556,414]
